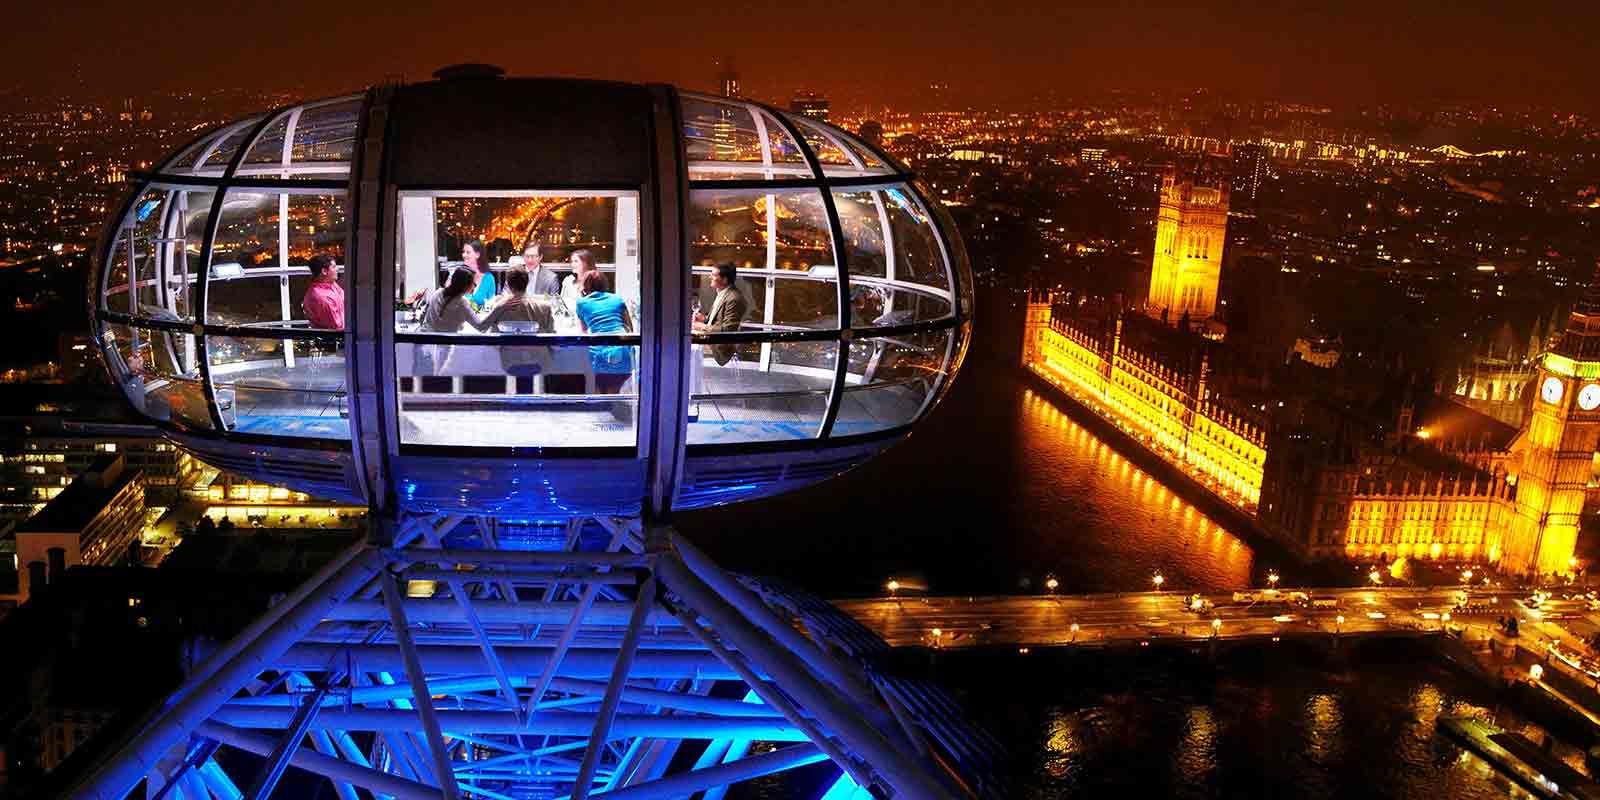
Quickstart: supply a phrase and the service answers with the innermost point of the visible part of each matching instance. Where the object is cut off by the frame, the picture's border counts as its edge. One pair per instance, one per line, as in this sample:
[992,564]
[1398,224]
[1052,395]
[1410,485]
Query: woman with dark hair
[473,255]
[600,311]
[445,311]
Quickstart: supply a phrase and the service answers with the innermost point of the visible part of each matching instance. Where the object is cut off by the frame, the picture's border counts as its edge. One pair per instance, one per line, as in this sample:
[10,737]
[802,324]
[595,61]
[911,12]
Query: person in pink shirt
[324,301]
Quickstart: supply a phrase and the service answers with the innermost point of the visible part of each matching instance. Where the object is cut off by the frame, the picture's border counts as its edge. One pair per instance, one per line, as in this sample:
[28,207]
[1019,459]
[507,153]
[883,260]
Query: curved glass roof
[844,316]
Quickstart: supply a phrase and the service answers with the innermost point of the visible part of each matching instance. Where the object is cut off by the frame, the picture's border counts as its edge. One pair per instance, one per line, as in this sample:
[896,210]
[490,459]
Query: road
[1042,620]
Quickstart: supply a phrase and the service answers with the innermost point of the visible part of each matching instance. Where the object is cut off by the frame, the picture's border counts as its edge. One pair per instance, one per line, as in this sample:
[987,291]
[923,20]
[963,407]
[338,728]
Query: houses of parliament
[1417,475]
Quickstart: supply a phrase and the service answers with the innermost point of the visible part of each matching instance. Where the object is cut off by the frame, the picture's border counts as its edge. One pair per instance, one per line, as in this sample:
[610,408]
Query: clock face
[1589,397]
[1551,390]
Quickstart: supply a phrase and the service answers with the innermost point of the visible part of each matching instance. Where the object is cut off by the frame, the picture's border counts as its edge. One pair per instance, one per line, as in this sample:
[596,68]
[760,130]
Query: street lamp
[1536,672]
[938,636]
[1051,583]
[1074,631]
[1216,626]
[1158,580]
[1338,622]
[1466,576]
[893,586]
[1375,576]
[1272,578]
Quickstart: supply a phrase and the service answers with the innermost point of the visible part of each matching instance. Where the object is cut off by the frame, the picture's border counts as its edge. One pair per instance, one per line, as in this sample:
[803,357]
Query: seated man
[727,311]
[543,280]
[521,308]
[324,300]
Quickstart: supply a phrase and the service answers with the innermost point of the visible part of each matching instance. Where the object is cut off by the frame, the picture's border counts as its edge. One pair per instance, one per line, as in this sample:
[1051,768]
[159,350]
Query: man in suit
[544,281]
[727,311]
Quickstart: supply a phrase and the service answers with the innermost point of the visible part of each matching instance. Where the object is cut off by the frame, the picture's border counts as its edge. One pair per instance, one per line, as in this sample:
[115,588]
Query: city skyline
[1068,401]
[1402,53]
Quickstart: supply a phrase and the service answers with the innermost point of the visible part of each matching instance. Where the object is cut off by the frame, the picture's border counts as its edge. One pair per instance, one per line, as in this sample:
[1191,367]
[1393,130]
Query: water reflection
[1125,521]
[1279,722]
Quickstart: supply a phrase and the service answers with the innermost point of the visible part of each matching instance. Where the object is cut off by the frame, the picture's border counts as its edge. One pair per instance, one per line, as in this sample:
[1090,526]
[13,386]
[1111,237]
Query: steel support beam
[763,617]
[419,688]
[332,768]
[551,723]
[899,769]
[592,664]
[310,704]
[619,677]
[685,784]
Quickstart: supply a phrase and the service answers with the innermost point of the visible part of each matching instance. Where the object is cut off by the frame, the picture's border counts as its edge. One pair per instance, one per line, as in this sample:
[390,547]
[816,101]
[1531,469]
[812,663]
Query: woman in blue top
[600,311]
[472,255]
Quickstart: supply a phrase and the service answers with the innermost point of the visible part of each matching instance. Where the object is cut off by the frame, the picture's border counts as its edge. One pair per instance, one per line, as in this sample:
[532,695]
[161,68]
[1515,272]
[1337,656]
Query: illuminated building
[1092,156]
[1443,482]
[1336,494]
[1554,454]
[605,655]
[1191,227]
[1248,170]
[810,104]
[727,78]
[96,520]
[872,132]
[1498,380]
[1152,381]
[1318,352]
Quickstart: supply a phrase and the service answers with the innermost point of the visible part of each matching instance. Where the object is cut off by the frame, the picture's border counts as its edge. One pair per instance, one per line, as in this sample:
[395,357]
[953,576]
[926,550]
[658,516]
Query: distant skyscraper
[1249,169]
[872,132]
[1092,156]
[810,104]
[1190,230]
[727,78]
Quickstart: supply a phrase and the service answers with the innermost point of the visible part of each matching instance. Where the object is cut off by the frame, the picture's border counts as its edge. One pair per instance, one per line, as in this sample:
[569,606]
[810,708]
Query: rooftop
[84,498]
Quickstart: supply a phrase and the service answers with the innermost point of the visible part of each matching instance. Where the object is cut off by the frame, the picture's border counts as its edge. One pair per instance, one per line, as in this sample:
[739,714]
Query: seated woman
[473,256]
[600,311]
[445,311]
[518,306]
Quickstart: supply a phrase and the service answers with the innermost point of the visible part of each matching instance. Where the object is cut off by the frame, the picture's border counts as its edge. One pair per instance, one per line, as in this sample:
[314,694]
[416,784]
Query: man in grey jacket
[544,281]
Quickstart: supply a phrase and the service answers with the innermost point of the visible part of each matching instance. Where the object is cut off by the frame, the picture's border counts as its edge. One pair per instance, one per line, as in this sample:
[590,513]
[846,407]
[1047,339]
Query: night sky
[1515,53]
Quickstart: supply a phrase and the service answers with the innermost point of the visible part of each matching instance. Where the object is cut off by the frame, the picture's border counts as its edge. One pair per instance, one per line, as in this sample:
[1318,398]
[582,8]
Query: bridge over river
[1146,617]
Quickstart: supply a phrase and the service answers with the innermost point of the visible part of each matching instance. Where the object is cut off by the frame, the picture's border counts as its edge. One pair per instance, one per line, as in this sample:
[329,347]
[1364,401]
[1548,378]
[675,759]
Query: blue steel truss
[447,663]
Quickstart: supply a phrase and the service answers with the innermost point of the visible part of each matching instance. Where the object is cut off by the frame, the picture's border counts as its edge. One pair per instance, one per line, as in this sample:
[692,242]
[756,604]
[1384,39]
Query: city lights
[1253,372]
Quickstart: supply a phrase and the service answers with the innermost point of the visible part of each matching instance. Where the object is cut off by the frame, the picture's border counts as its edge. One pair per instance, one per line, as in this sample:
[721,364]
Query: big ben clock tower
[1557,448]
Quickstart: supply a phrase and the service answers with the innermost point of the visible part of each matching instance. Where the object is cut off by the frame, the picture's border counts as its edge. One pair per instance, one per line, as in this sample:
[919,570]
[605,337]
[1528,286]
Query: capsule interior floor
[309,402]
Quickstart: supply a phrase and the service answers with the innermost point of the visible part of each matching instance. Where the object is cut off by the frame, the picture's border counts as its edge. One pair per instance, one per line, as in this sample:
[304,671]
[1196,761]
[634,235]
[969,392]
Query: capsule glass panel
[463,379]
[726,140]
[281,387]
[889,380]
[167,231]
[774,391]
[164,376]
[260,270]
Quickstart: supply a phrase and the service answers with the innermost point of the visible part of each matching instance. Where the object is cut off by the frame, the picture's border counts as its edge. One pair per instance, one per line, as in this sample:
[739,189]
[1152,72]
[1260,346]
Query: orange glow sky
[1349,52]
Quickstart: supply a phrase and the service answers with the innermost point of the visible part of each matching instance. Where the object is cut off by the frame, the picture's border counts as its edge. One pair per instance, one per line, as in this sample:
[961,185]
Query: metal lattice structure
[443,665]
